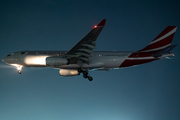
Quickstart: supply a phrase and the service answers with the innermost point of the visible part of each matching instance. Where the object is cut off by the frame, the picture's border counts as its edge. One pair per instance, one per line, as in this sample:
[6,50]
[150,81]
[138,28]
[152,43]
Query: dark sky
[147,92]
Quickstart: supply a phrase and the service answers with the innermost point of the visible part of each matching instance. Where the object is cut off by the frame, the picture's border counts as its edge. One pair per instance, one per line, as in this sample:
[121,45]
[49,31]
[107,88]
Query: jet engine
[56,61]
[67,72]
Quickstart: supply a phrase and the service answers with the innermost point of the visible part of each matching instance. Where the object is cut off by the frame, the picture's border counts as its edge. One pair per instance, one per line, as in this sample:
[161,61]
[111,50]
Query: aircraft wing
[83,49]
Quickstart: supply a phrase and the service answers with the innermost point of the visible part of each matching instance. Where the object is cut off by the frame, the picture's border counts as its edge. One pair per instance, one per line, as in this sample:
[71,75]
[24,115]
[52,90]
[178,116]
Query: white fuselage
[105,59]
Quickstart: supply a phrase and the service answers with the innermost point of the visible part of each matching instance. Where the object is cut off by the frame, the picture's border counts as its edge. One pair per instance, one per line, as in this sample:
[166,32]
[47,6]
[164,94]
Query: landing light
[16,65]
[19,67]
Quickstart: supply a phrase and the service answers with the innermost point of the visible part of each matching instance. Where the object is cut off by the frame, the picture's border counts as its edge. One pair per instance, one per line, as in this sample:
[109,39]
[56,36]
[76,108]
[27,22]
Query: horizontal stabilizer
[164,51]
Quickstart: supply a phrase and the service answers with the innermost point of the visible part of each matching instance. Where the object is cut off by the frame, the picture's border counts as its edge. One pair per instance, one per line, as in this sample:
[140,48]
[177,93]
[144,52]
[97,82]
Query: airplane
[81,58]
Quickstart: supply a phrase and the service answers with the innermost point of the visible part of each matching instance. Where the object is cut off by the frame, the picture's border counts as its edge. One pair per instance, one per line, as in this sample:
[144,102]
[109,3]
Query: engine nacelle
[67,72]
[56,61]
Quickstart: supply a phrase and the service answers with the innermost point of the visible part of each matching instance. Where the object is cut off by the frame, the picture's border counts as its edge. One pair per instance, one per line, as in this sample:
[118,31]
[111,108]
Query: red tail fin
[163,40]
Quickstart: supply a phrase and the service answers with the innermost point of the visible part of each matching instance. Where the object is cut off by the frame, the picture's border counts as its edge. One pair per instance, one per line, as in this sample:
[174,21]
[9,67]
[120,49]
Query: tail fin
[162,41]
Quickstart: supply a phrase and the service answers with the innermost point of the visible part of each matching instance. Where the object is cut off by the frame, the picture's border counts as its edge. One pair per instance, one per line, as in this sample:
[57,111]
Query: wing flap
[86,50]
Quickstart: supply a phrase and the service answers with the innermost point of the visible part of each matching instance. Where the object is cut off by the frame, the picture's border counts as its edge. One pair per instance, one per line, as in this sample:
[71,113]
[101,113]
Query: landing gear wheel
[85,73]
[19,71]
[85,76]
[90,78]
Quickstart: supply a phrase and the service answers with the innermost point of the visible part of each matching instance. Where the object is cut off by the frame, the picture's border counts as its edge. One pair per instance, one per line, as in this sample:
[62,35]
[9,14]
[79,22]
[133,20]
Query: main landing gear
[85,74]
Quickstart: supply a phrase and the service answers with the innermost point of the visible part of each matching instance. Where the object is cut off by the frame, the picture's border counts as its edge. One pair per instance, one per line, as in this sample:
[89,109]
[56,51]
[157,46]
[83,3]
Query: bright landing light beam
[35,60]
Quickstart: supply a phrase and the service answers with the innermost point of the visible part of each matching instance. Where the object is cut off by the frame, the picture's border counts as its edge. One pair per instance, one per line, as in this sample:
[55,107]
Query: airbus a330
[81,58]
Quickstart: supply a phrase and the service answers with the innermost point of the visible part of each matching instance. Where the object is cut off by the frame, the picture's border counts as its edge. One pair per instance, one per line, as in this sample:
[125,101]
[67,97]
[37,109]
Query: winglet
[102,23]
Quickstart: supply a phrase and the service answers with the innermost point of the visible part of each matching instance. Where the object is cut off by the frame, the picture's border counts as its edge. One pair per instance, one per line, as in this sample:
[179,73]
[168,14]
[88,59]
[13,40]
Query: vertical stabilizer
[162,41]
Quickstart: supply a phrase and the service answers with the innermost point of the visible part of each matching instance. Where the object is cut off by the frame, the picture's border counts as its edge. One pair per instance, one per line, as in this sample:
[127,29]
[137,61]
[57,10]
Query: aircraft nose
[4,59]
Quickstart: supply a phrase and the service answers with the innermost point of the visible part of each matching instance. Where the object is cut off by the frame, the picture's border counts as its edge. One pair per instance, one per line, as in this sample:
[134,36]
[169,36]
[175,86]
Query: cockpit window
[9,55]
[22,53]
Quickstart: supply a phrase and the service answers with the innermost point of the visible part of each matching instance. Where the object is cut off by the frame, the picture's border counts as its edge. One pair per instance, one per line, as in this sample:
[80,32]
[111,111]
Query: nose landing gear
[19,71]
[85,74]
[19,68]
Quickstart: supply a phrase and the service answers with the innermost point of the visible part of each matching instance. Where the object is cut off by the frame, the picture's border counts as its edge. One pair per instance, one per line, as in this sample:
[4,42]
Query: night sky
[147,92]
